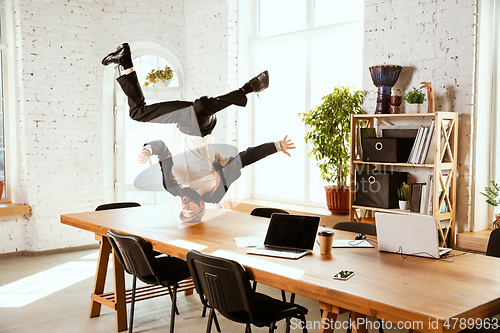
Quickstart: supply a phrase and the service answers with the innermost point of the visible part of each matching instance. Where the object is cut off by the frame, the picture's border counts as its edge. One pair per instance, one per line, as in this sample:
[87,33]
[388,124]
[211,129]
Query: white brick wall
[64,134]
[433,41]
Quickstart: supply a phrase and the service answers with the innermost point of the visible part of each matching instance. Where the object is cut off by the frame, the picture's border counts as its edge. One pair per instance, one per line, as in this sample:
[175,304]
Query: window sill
[247,205]
[11,209]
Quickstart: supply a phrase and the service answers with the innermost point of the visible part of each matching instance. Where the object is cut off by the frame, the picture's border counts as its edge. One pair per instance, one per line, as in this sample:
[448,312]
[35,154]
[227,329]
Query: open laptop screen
[292,231]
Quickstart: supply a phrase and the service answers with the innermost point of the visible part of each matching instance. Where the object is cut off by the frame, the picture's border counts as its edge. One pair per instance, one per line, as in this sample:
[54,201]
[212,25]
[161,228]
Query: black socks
[126,61]
[246,88]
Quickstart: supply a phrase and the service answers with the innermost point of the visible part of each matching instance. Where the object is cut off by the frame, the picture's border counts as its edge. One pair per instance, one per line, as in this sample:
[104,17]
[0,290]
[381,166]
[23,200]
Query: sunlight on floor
[37,286]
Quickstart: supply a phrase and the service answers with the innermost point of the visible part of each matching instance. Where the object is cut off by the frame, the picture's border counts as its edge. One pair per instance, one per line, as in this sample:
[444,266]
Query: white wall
[433,41]
[66,161]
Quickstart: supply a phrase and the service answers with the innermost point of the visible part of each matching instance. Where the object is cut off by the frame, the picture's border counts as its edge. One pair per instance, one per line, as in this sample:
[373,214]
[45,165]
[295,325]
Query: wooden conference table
[426,294]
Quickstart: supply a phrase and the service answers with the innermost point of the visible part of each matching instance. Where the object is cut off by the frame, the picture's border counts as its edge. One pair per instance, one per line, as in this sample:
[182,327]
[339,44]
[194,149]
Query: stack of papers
[249,241]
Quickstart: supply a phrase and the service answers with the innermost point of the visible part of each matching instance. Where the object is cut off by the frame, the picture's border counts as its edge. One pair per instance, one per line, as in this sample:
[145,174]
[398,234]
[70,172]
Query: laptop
[415,235]
[289,236]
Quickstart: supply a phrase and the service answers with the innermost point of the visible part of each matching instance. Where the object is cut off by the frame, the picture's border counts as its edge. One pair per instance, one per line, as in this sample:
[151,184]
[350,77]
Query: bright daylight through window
[309,47]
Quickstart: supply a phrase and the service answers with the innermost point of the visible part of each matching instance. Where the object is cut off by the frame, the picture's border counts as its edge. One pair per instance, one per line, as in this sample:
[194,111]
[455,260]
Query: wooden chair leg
[100,274]
[329,317]
[120,298]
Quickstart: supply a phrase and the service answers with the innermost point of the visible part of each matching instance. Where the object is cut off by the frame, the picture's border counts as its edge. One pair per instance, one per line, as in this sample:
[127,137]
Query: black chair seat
[493,249]
[117,205]
[267,212]
[267,310]
[358,227]
[266,306]
[169,271]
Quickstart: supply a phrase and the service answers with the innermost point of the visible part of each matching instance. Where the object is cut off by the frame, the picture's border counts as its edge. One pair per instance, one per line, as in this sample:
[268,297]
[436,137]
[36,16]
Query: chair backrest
[116,205]
[267,212]
[359,227]
[222,284]
[493,248]
[134,253]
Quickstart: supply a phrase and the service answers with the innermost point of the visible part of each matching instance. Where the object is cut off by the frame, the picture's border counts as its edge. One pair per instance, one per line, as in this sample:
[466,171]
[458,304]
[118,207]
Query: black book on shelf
[416,195]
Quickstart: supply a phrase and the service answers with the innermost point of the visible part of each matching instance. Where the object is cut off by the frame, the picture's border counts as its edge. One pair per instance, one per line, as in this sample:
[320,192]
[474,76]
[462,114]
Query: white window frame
[248,17]
[485,150]
[121,109]
[11,118]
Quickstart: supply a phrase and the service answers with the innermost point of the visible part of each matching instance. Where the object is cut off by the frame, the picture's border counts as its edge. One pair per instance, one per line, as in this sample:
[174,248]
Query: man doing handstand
[190,170]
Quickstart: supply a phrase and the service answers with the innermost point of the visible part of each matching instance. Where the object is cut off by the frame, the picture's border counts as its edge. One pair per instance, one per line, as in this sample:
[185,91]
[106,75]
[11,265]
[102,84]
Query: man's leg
[205,107]
[130,85]
[139,110]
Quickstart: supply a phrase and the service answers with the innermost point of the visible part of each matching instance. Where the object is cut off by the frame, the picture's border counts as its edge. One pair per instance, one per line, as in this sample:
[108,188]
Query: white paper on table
[249,241]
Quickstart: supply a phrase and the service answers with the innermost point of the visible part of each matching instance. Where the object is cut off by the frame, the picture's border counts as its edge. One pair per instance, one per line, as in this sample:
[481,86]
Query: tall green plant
[330,133]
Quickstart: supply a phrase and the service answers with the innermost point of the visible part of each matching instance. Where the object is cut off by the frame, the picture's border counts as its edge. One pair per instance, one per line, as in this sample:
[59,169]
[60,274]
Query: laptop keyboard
[280,249]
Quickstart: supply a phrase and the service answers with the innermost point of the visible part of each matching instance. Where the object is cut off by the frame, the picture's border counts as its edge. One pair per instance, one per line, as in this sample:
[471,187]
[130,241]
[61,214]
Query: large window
[309,47]
[486,153]
[130,135]
[4,102]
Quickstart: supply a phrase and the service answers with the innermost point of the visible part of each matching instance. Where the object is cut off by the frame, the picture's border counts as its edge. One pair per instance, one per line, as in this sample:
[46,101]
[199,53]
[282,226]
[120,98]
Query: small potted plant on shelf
[403,196]
[330,138]
[159,77]
[415,98]
[492,197]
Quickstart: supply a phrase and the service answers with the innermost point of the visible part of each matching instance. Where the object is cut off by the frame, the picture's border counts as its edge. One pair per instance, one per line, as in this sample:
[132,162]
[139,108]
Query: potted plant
[160,77]
[403,196]
[330,138]
[492,198]
[415,98]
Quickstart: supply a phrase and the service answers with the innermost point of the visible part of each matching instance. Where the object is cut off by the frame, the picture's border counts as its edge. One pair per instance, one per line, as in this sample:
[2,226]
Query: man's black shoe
[260,82]
[114,57]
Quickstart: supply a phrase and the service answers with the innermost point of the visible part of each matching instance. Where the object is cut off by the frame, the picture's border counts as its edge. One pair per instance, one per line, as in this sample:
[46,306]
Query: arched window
[130,135]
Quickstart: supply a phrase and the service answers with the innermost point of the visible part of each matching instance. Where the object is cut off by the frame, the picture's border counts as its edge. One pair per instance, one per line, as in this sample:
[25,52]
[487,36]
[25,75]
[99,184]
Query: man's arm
[159,148]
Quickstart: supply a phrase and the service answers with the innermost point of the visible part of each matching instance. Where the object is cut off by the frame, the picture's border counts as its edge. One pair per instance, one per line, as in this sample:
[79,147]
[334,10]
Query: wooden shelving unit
[444,168]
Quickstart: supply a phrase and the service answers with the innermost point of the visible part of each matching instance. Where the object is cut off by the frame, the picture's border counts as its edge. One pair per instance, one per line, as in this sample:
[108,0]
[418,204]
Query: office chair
[357,227]
[137,257]
[267,212]
[223,285]
[117,205]
[493,248]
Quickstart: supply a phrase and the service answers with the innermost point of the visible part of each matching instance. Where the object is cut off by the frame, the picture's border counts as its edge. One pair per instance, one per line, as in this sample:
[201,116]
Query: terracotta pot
[337,200]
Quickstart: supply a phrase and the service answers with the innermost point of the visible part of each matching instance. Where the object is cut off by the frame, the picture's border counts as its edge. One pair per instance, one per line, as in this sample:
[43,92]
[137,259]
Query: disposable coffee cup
[325,241]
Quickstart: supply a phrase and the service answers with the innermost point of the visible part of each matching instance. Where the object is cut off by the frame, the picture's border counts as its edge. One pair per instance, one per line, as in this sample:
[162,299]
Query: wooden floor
[473,241]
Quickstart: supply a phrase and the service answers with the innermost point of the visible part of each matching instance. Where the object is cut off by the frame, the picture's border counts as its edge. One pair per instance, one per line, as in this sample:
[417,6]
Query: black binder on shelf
[416,195]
